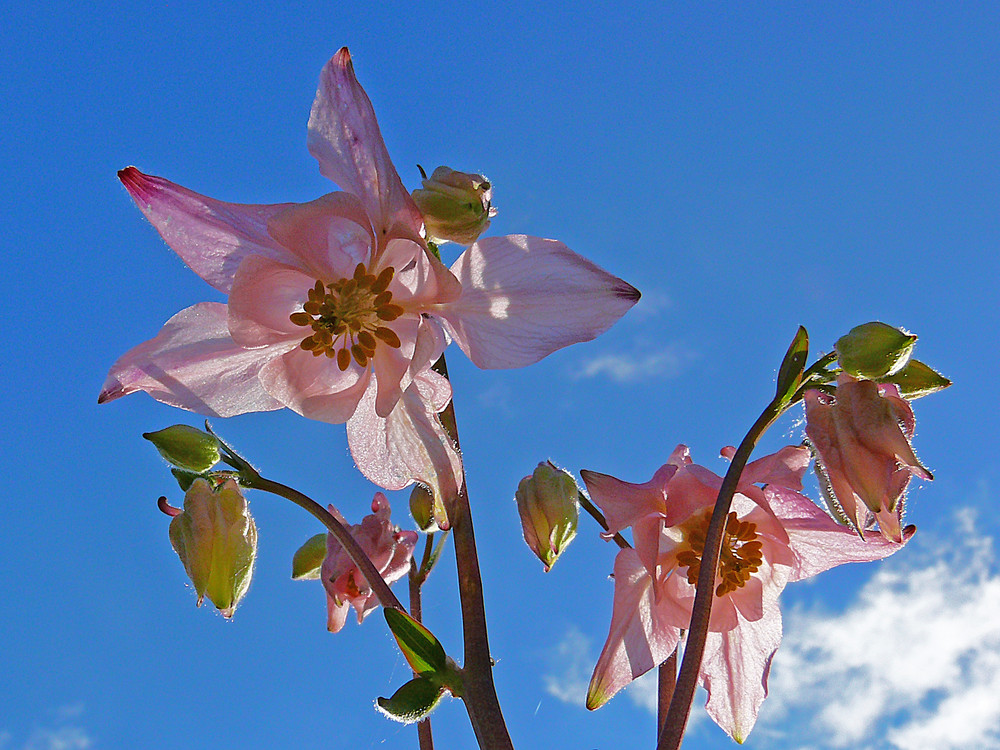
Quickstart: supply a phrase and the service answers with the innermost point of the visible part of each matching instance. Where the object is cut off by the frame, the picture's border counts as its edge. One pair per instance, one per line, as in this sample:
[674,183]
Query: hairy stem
[380,588]
[480,693]
[680,705]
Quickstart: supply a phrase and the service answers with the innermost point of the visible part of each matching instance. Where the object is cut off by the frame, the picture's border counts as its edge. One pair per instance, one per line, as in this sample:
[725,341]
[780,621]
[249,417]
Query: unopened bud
[456,205]
[874,350]
[422,509]
[216,539]
[549,509]
[186,447]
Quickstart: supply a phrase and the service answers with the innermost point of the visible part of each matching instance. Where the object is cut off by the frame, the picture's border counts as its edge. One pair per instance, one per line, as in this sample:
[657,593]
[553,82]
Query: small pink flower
[865,460]
[336,309]
[390,549]
[773,535]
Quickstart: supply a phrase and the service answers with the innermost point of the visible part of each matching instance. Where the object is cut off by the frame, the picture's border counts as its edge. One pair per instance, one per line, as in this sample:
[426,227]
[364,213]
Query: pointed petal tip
[110,392]
[629,292]
[343,56]
[137,183]
[908,532]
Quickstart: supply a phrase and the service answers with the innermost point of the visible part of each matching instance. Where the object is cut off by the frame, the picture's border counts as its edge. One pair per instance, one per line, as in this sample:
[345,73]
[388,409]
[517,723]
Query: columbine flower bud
[456,205]
[422,509]
[874,350]
[216,539]
[186,447]
[547,503]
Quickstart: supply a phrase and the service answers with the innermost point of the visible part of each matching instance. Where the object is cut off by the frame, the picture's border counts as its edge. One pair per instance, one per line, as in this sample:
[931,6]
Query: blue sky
[749,167]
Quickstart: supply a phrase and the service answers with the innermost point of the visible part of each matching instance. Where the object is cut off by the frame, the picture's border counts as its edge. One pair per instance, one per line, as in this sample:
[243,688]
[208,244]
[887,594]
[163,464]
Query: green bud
[422,509]
[874,350]
[308,559]
[456,205]
[216,539]
[186,447]
[549,509]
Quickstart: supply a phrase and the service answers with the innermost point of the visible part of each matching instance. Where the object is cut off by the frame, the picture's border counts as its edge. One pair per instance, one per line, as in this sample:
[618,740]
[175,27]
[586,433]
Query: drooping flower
[389,549]
[216,539]
[773,535]
[549,509]
[865,460]
[336,308]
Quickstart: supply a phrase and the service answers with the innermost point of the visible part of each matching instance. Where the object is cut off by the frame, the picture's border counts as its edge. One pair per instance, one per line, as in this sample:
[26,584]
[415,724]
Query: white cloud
[64,738]
[668,362]
[913,663]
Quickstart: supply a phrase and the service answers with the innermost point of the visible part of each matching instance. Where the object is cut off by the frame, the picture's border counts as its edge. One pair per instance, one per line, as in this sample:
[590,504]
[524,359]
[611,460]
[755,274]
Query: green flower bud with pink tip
[549,509]
[455,205]
[874,350]
[216,539]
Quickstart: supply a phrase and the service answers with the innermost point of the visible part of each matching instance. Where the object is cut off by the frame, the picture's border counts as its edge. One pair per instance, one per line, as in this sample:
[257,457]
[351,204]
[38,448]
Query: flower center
[346,317]
[740,557]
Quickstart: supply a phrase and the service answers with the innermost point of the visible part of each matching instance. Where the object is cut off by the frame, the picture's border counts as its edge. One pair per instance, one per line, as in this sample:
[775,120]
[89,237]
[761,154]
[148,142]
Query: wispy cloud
[651,304]
[63,735]
[914,662]
[666,362]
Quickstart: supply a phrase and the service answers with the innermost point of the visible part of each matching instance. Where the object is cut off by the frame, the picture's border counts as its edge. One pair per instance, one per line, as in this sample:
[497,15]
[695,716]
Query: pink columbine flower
[773,535]
[865,460]
[336,309]
[389,549]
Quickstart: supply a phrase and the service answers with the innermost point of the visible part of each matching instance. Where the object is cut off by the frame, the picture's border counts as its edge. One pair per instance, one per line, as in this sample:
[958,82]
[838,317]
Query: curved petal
[734,671]
[264,294]
[820,543]
[329,236]
[625,503]
[524,297]
[194,364]
[410,444]
[345,139]
[336,614]
[314,386]
[784,468]
[637,640]
[392,366]
[420,279]
[211,236]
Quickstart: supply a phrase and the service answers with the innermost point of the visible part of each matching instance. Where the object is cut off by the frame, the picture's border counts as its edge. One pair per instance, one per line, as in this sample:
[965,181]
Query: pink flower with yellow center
[773,536]
[336,308]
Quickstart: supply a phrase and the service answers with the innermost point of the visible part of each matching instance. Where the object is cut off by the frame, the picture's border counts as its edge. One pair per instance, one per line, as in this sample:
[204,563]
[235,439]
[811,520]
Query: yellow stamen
[346,317]
[741,555]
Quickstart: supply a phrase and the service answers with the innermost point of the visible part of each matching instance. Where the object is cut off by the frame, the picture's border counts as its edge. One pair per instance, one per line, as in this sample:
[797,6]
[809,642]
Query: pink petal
[336,614]
[734,671]
[212,237]
[420,279]
[409,445]
[817,541]
[264,294]
[345,139]
[329,236]
[524,297]
[392,366]
[784,468]
[315,387]
[194,364]
[638,640]
[625,503]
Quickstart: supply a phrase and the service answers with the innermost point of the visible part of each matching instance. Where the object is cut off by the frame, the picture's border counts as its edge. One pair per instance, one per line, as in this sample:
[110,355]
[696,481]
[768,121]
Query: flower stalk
[480,696]
[672,731]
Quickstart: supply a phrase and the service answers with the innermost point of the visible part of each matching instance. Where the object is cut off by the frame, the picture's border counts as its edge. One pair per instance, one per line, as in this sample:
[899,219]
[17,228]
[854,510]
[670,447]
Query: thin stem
[424,736]
[666,678]
[480,693]
[379,587]
[601,520]
[680,705]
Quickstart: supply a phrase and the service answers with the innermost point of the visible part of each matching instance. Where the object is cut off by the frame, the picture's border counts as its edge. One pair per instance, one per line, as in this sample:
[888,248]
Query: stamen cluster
[346,317]
[741,553]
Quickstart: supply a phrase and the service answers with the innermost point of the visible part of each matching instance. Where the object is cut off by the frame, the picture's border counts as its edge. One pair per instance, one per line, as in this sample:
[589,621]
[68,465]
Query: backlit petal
[524,297]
